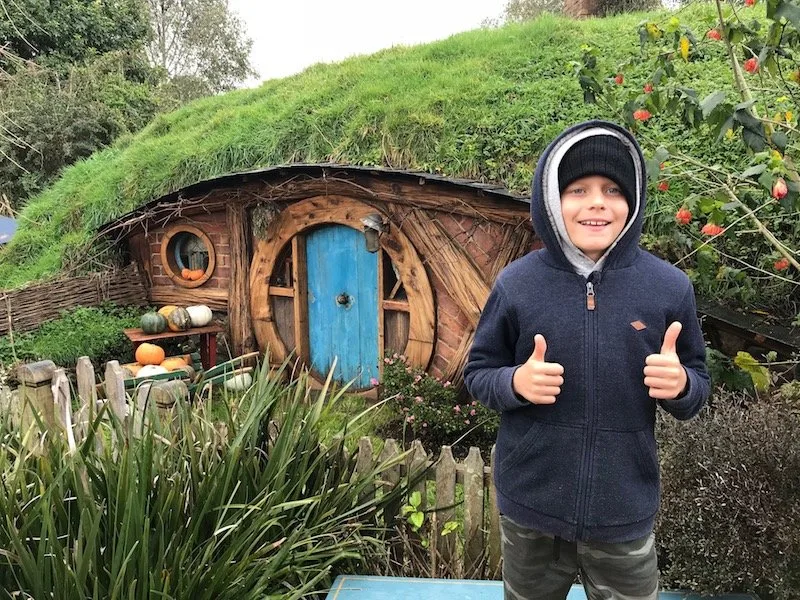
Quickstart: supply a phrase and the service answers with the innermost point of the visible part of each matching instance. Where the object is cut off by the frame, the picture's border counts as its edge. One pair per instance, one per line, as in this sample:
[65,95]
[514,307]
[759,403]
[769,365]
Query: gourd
[200,315]
[195,274]
[173,363]
[165,310]
[153,322]
[179,320]
[150,370]
[149,354]
[239,383]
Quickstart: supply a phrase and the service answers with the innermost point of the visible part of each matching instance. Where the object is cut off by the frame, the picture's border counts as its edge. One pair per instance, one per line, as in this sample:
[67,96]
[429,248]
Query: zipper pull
[590,301]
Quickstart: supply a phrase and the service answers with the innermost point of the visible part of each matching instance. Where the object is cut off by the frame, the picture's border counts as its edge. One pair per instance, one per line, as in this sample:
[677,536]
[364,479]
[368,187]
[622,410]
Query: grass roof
[479,105]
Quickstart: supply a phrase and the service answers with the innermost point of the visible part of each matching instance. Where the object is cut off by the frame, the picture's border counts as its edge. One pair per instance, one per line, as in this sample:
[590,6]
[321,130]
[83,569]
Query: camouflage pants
[538,567]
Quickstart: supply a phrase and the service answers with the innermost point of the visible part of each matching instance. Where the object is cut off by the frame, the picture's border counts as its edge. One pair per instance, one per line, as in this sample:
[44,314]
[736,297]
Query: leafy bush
[94,332]
[187,511]
[731,480]
[431,408]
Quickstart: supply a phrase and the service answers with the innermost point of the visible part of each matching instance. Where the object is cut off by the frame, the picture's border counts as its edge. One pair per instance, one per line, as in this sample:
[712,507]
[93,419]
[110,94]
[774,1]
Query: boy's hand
[663,373]
[537,381]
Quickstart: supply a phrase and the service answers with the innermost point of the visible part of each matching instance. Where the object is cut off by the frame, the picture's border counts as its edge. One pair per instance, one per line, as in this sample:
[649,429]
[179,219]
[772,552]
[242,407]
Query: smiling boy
[577,344]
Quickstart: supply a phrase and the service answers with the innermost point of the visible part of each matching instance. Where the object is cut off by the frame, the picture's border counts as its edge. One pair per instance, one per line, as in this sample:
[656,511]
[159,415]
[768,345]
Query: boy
[576,345]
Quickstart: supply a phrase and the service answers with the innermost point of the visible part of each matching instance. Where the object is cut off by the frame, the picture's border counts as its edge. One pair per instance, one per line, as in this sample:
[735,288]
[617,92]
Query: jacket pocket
[541,472]
[625,484]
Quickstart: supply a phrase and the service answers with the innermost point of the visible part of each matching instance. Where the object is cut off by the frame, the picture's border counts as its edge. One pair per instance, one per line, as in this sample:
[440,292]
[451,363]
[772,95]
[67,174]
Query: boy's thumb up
[669,346]
[539,348]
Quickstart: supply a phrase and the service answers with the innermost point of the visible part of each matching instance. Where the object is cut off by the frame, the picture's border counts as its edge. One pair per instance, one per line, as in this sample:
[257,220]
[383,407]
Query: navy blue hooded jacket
[586,467]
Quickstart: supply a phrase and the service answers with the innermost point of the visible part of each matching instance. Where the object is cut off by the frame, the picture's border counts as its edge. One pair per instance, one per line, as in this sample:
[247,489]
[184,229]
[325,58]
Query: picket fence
[469,550]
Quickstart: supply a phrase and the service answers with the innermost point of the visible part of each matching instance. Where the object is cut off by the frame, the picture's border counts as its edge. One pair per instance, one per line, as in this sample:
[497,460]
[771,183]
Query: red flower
[781,264]
[619,79]
[779,189]
[714,34]
[683,216]
[648,87]
[663,186]
[642,114]
[751,65]
[749,2]
[711,229]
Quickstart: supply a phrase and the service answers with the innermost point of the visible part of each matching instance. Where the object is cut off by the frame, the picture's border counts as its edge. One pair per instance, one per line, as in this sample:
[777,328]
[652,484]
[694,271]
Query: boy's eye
[613,190]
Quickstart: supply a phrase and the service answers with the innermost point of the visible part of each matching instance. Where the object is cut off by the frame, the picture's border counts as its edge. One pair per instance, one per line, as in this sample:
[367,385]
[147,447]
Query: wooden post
[417,464]
[239,318]
[391,478]
[36,397]
[473,511]
[115,393]
[494,545]
[445,512]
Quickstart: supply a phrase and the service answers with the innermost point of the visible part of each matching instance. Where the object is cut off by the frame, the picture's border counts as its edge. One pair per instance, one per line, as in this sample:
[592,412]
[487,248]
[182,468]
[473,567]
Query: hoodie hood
[548,221]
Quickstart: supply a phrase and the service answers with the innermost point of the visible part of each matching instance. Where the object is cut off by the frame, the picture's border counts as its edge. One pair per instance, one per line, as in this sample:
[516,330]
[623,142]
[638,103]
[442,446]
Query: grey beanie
[600,155]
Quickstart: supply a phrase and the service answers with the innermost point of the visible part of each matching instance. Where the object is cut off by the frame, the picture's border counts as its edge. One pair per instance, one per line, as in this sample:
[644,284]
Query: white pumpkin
[200,315]
[239,383]
[150,370]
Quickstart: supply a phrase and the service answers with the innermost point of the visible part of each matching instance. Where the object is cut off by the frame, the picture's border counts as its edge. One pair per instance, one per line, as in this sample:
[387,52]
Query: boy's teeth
[594,223]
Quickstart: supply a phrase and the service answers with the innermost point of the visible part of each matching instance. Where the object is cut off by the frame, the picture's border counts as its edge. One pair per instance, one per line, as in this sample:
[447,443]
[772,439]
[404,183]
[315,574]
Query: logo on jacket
[638,325]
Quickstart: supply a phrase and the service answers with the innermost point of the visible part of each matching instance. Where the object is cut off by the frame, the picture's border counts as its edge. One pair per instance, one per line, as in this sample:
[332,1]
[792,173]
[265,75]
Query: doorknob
[343,299]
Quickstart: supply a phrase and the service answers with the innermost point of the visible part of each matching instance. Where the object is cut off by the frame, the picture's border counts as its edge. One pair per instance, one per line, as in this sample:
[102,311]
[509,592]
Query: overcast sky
[290,35]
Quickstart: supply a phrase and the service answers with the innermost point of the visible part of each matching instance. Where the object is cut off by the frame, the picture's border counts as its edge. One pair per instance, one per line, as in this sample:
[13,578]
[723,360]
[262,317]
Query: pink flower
[751,65]
[410,419]
[779,189]
[466,421]
[472,413]
[419,399]
[663,186]
[474,403]
[683,216]
[417,379]
[447,384]
[619,79]
[457,408]
[387,361]
[642,114]
[373,382]
[648,87]
[714,34]
[781,264]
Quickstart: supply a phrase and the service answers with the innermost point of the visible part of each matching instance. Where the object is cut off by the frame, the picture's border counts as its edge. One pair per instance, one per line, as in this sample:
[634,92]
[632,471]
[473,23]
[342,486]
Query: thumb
[539,348]
[671,338]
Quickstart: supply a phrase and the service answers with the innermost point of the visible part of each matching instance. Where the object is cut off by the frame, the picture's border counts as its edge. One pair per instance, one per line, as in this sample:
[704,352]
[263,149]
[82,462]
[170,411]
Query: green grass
[480,105]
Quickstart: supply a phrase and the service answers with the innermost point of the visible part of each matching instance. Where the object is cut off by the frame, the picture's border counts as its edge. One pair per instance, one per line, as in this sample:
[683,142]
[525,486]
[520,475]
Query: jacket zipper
[591,341]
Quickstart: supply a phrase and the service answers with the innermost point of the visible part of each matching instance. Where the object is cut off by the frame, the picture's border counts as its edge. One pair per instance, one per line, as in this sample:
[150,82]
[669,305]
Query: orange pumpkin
[149,354]
[196,274]
[185,273]
[173,363]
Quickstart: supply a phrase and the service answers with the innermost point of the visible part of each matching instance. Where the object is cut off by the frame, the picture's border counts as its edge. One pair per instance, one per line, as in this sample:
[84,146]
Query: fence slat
[445,501]
[390,477]
[494,523]
[473,511]
[87,397]
[364,466]
[62,406]
[418,462]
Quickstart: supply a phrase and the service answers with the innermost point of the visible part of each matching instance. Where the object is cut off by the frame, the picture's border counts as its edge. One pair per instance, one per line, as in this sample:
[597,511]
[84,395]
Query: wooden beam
[242,337]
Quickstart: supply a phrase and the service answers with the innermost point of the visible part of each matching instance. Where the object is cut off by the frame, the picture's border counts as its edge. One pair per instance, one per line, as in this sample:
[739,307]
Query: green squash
[153,322]
[179,320]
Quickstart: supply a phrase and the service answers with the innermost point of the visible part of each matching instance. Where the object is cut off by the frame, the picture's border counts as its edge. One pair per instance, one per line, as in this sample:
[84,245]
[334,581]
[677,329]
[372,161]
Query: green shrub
[431,408]
[190,511]
[731,483]
[82,331]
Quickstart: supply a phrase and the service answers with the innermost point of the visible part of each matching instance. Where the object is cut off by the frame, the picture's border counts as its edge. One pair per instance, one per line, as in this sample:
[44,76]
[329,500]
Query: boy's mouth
[594,223]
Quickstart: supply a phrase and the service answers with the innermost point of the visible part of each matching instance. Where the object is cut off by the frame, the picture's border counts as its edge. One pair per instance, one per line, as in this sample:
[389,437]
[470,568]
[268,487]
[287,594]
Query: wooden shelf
[274,290]
[399,305]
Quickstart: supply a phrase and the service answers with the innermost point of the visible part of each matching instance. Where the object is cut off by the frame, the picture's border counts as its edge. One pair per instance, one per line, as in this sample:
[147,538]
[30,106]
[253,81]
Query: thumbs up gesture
[538,381]
[663,373]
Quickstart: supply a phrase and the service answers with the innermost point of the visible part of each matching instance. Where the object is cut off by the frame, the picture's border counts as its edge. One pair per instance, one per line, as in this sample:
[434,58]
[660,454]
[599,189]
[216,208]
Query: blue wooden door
[342,304]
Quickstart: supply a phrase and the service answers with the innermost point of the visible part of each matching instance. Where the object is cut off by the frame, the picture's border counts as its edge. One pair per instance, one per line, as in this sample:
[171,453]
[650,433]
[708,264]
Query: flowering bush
[432,409]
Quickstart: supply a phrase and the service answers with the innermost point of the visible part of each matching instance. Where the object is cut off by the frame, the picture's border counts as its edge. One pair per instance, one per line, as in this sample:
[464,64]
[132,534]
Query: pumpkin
[239,383]
[200,315]
[150,370]
[149,354]
[196,274]
[165,310]
[179,320]
[152,322]
[130,370]
[185,273]
[173,363]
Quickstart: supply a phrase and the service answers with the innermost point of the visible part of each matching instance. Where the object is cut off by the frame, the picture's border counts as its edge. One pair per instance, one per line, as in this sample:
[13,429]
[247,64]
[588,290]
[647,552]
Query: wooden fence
[450,492]
[26,308]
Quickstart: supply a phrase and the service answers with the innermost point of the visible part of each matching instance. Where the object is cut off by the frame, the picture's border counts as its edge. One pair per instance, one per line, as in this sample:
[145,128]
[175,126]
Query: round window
[187,256]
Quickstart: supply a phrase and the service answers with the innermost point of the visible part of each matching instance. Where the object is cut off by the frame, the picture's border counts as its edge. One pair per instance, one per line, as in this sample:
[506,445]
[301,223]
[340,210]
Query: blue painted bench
[356,587]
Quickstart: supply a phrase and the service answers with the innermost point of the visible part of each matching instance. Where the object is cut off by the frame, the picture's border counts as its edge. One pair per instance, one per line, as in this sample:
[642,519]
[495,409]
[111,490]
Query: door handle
[343,299]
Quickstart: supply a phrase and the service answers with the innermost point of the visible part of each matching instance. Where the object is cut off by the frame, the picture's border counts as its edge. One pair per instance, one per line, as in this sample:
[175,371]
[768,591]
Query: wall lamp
[374,227]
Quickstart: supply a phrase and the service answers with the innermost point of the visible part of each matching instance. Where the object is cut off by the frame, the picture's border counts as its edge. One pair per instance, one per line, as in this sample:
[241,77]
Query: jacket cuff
[688,403]
[511,399]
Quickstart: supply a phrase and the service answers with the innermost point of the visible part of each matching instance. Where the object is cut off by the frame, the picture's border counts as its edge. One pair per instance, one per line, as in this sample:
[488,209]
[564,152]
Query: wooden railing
[460,532]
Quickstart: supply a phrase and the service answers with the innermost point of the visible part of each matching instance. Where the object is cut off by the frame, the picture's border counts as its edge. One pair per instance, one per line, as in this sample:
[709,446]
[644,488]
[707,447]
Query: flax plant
[259,507]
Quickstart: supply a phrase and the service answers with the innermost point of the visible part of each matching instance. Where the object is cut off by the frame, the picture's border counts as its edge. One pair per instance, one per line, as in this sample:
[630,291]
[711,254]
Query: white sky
[290,35]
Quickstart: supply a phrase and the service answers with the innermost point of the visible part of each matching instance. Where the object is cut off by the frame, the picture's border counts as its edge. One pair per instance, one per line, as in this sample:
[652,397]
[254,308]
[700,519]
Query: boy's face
[595,211]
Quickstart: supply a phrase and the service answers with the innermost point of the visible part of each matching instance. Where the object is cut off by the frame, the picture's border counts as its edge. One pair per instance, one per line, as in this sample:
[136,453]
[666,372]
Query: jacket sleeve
[692,352]
[491,365]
